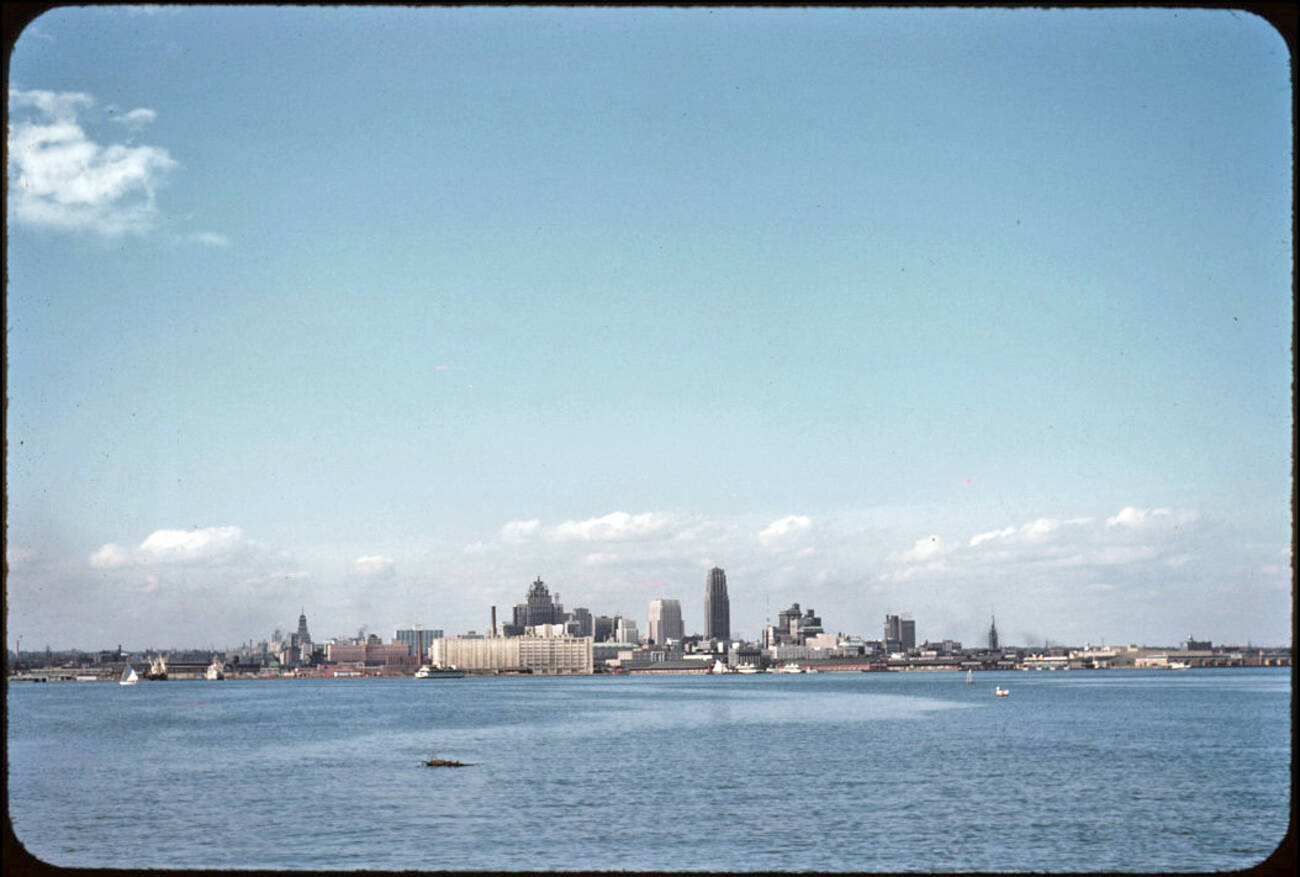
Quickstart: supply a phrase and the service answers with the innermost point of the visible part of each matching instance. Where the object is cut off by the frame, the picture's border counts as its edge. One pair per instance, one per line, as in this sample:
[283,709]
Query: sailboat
[128,676]
[970,676]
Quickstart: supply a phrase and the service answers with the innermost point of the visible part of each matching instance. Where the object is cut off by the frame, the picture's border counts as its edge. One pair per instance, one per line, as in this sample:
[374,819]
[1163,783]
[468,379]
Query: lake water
[1079,771]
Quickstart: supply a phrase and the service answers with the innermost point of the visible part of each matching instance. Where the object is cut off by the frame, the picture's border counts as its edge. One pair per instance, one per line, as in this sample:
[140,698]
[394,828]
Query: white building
[665,621]
[555,654]
[625,632]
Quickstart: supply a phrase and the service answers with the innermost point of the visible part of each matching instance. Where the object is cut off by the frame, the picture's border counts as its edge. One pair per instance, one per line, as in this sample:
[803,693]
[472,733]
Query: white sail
[128,676]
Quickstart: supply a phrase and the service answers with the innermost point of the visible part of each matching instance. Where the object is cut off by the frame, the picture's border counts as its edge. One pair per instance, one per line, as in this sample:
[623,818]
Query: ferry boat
[427,672]
[747,669]
[216,670]
[791,667]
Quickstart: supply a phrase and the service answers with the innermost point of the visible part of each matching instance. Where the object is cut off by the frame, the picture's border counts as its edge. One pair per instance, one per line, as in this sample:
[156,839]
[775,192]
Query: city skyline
[873,309]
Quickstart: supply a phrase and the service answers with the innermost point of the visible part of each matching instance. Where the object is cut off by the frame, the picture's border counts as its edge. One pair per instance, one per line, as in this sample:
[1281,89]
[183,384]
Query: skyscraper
[303,639]
[538,608]
[993,634]
[893,630]
[908,632]
[717,608]
[900,632]
[665,621]
[625,631]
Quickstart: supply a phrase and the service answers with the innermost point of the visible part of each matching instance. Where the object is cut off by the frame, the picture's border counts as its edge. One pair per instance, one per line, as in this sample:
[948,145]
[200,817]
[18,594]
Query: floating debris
[442,762]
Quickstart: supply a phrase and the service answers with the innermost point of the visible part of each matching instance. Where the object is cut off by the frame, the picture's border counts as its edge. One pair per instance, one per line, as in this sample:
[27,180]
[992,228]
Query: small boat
[999,691]
[128,676]
[720,667]
[215,670]
[427,672]
[970,676]
[747,669]
[791,667]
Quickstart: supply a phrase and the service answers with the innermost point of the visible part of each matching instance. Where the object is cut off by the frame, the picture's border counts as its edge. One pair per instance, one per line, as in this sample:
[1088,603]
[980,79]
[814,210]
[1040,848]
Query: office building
[538,608]
[908,630]
[419,640]
[665,621]
[794,627]
[717,607]
[602,628]
[300,646]
[580,622]
[625,631]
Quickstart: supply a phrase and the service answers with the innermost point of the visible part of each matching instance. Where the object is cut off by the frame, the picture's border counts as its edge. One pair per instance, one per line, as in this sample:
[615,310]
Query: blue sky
[383,313]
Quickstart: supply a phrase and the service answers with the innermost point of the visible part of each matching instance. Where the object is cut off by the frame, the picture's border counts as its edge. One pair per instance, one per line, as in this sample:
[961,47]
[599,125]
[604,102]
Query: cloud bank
[60,178]
[63,177]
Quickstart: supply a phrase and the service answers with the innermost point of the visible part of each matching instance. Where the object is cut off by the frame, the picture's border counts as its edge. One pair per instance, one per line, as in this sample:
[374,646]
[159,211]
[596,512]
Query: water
[1079,771]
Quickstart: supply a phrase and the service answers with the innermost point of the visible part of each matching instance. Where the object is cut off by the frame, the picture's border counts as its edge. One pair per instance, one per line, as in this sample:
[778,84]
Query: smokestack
[492,631]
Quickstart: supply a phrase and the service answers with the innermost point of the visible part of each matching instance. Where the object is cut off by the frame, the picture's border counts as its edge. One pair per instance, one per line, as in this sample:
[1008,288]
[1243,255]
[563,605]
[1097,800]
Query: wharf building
[717,606]
[665,622]
[371,653]
[561,655]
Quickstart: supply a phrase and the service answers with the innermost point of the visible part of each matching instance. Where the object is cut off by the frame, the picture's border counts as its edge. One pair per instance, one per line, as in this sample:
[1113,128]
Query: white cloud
[180,545]
[1040,527]
[59,178]
[205,545]
[109,556]
[137,118]
[924,550]
[208,238]
[515,532]
[1160,517]
[600,558]
[782,529]
[376,566]
[61,105]
[614,527]
[1004,533]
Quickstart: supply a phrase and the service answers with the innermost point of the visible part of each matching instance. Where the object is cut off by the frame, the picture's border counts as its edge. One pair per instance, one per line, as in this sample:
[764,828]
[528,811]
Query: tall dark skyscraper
[301,641]
[993,635]
[717,608]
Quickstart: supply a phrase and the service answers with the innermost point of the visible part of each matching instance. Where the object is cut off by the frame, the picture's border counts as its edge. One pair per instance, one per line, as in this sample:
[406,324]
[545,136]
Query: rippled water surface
[1079,771]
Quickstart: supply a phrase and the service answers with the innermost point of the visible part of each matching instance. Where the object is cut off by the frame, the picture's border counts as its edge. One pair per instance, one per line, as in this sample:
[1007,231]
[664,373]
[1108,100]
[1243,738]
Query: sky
[380,314]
